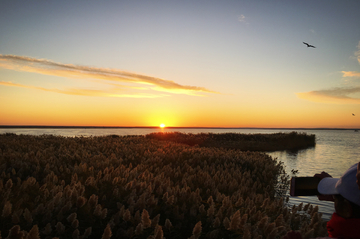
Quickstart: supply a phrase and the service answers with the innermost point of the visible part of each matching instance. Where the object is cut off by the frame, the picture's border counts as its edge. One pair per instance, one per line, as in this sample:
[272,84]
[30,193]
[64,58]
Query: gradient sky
[181,63]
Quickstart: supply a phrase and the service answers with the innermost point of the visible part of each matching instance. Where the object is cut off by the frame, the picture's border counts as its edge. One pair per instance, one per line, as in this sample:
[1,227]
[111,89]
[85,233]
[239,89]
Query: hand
[292,235]
[358,175]
[322,175]
[322,197]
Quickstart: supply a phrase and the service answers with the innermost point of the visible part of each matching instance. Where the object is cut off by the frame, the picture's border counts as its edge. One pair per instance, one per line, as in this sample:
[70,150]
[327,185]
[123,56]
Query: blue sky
[192,63]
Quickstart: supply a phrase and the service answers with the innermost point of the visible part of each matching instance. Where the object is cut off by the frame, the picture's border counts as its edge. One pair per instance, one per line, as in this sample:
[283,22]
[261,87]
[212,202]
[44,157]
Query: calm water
[334,153]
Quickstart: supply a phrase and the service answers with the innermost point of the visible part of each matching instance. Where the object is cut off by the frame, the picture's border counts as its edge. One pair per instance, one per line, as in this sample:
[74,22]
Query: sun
[162,126]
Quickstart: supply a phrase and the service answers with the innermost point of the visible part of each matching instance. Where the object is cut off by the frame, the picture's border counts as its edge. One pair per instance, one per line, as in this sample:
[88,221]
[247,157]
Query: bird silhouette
[353,114]
[308,45]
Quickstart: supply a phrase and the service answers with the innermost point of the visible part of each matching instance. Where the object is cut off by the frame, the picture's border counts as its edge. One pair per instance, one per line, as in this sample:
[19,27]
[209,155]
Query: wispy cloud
[333,96]
[47,67]
[351,74]
[357,53]
[83,92]
[241,18]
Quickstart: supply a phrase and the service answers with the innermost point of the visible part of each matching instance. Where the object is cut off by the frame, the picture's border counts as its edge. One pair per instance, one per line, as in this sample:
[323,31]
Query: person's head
[346,193]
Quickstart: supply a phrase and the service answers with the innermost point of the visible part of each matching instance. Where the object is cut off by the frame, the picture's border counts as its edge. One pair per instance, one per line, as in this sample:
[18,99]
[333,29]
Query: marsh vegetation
[252,142]
[141,187]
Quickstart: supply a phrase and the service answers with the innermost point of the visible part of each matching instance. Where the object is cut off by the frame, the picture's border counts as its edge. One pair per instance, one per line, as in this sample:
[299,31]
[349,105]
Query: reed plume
[142,187]
[197,230]
[107,233]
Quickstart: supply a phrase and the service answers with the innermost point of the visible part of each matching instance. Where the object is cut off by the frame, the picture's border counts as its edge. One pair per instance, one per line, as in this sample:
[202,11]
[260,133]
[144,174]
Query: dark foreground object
[304,186]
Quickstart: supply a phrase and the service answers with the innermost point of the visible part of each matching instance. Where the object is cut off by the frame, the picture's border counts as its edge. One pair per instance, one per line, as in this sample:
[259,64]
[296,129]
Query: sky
[229,63]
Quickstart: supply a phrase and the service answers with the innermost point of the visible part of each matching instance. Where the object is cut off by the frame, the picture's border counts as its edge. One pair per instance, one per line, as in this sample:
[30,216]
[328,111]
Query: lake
[334,153]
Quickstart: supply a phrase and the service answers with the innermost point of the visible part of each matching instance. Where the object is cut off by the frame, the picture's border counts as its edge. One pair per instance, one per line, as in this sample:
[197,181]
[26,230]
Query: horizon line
[168,127]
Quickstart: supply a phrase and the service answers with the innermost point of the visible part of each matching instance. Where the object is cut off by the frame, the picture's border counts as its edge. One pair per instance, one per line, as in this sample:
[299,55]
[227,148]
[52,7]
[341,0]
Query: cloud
[333,96]
[241,18]
[357,53]
[83,92]
[351,74]
[47,67]
[351,77]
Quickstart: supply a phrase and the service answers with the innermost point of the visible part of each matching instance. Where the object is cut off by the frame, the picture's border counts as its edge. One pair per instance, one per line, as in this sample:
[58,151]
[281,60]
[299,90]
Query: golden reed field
[142,187]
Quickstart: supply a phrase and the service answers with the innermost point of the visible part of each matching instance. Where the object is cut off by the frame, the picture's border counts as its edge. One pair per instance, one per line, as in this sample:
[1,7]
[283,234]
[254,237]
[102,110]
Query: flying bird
[308,45]
[353,114]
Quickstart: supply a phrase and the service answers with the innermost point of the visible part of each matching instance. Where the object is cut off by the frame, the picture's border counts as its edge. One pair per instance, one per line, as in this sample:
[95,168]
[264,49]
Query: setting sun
[162,125]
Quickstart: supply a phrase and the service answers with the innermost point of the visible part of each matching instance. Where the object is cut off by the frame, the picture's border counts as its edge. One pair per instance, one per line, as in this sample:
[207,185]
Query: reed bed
[252,142]
[137,187]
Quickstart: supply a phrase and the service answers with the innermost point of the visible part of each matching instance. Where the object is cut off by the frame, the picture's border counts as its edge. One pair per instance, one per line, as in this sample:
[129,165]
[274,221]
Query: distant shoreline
[154,127]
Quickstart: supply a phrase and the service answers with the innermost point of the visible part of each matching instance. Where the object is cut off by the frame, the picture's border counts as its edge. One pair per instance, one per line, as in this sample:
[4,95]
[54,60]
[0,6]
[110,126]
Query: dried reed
[138,187]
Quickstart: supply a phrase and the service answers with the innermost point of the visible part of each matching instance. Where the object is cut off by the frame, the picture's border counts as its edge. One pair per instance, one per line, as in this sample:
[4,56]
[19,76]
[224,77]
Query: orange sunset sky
[180,63]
